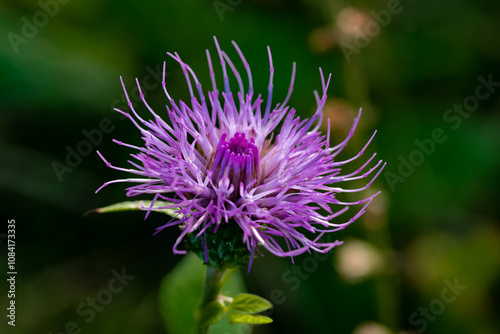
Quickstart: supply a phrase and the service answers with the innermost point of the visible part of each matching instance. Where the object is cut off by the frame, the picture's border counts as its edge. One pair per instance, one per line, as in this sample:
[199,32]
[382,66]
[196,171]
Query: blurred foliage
[180,294]
[441,223]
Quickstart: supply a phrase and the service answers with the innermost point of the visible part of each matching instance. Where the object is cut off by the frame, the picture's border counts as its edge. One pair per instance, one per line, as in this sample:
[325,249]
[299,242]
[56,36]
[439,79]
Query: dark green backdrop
[435,225]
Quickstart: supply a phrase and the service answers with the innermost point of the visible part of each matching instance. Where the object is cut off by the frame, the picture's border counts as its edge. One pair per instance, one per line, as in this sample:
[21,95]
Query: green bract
[225,248]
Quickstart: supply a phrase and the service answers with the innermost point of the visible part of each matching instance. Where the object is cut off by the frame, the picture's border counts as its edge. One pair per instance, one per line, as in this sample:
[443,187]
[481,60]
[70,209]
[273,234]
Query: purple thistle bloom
[218,161]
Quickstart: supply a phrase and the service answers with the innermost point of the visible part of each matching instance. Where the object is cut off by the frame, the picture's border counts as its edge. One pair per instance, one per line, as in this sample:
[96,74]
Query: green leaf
[249,304]
[238,318]
[180,293]
[212,314]
[180,296]
[137,205]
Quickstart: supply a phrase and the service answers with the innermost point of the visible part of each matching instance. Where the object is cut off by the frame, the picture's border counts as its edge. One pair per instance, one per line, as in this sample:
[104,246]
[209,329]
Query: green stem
[215,280]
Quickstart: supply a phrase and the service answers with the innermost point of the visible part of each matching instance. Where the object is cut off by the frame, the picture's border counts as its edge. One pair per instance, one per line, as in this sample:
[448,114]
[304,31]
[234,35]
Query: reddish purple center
[238,159]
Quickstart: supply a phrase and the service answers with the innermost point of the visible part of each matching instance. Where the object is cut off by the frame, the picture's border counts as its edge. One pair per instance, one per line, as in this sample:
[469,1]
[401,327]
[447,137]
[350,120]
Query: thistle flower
[230,160]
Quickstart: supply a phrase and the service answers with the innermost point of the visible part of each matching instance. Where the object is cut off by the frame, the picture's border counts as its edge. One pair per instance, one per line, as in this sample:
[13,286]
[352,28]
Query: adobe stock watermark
[30,27]
[93,138]
[370,29]
[242,329]
[437,306]
[222,6]
[453,117]
[297,274]
[88,309]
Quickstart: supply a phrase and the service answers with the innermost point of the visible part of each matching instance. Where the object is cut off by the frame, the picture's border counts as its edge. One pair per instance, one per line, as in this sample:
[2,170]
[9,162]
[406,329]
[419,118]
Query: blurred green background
[434,225]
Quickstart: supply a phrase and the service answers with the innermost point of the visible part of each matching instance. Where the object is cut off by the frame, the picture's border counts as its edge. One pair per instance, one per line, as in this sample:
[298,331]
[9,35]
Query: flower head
[222,162]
